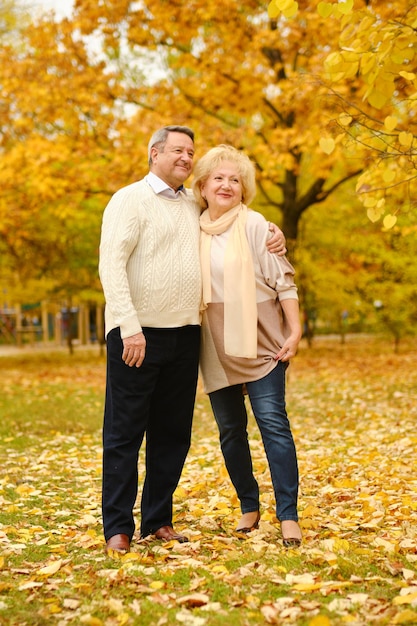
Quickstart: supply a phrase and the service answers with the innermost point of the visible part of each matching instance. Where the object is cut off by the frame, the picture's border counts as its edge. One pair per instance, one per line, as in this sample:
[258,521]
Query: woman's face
[223,188]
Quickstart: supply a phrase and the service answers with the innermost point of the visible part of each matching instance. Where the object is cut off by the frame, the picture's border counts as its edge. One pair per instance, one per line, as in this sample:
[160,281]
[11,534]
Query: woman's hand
[292,318]
[288,350]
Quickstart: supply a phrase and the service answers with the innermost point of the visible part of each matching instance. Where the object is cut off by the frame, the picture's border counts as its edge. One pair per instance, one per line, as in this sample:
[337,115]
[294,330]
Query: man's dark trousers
[156,399]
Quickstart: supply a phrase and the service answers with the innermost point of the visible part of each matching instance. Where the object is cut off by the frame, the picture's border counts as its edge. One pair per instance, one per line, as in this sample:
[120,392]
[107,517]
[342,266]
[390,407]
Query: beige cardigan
[274,277]
[149,260]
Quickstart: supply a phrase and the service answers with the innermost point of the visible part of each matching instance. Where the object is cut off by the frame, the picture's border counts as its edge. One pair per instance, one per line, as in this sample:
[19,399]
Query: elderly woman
[250,330]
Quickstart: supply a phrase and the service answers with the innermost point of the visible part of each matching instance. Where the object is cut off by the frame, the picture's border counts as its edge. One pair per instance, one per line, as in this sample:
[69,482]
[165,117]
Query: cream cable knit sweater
[149,260]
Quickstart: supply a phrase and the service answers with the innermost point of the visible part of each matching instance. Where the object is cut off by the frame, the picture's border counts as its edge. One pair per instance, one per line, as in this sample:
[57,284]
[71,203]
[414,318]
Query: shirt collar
[161,188]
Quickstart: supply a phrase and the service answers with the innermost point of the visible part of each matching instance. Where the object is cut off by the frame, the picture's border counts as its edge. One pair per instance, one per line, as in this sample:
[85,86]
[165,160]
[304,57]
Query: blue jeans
[267,397]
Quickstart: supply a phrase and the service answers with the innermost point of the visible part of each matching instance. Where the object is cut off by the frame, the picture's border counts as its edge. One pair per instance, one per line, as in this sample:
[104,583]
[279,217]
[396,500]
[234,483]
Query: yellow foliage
[345,119]
[327,144]
[379,44]
[374,214]
[389,176]
[405,139]
[408,75]
[390,122]
[389,221]
[49,570]
[345,7]
[325,9]
[408,597]
[320,620]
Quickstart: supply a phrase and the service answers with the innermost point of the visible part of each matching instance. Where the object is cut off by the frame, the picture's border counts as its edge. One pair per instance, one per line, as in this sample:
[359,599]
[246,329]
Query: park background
[322,96]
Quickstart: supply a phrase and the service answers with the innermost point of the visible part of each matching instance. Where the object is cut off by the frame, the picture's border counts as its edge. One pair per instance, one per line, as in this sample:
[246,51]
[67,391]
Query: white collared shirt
[161,188]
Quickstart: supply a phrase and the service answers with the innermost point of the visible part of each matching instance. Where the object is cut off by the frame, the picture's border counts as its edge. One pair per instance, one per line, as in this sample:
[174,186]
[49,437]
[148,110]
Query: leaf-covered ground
[353,409]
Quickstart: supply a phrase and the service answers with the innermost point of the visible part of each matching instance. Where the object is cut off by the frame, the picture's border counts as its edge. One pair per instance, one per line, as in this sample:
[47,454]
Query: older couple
[151,277]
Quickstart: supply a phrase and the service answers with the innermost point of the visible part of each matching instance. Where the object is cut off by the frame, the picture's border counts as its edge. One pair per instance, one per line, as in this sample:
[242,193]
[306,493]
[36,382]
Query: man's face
[175,163]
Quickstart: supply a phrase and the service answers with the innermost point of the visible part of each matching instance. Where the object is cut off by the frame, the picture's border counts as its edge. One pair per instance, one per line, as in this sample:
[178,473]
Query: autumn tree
[377,47]
[237,76]
[355,276]
[96,86]
[67,142]
[10,19]
[55,144]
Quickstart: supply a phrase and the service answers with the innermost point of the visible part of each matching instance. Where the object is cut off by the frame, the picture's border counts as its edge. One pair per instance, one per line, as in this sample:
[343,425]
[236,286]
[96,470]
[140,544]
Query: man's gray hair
[160,137]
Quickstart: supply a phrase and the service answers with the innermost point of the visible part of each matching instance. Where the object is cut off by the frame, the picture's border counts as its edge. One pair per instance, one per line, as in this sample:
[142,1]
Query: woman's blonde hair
[212,159]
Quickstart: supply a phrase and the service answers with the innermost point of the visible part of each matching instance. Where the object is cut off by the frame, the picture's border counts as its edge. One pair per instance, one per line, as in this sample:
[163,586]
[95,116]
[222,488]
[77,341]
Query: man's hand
[277,242]
[134,350]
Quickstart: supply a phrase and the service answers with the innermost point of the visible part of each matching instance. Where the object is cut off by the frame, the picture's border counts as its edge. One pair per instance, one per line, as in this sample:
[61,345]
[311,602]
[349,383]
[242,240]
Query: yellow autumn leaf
[325,9]
[345,7]
[405,617]
[251,599]
[407,75]
[345,119]
[284,5]
[376,98]
[408,598]
[405,139]
[132,556]
[366,24]
[333,59]
[273,10]
[370,201]
[327,144]
[311,511]
[90,620]
[50,569]
[291,10]
[388,176]
[157,584]
[115,554]
[21,489]
[367,62]
[320,620]
[220,569]
[341,545]
[390,122]
[345,483]
[374,214]
[306,586]
[389,221]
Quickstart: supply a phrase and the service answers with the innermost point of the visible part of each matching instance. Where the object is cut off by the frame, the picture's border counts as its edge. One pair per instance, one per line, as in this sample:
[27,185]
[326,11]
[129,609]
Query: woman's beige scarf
[240,310]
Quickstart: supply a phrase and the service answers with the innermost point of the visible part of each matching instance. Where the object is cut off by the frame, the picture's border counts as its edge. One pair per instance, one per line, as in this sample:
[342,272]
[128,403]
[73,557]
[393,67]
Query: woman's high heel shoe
[248,529]
[291,541]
